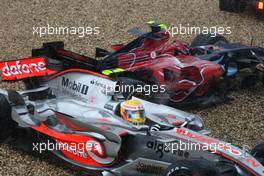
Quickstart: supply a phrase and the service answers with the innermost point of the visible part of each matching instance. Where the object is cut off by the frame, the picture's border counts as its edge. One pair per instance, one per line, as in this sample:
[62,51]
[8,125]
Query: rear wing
[48,60]
[65,59]
[59,57]
[24,68]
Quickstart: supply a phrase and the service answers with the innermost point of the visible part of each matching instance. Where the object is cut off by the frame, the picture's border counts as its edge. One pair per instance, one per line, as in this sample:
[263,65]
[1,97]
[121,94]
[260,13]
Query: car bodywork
[73,107]
[235,58]
[153,59]
[192,74]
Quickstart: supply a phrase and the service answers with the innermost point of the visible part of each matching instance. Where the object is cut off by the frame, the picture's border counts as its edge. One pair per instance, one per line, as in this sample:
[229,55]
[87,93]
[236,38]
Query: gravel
[240,121]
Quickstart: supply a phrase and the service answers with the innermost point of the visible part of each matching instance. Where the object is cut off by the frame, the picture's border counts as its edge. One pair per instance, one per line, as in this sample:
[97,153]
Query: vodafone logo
[24,68]
[18,68]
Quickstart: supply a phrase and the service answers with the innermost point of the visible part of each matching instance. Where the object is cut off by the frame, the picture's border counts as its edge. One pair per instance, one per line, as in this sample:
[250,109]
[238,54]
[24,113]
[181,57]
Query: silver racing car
[90,125]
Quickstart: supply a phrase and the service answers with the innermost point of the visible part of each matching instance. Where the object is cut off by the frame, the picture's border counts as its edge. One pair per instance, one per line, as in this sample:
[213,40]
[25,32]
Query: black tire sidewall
[207,39]
[31,83]
[6,123]
[258,151]
[223,4]
[235,6]
[176,170]
[191,168]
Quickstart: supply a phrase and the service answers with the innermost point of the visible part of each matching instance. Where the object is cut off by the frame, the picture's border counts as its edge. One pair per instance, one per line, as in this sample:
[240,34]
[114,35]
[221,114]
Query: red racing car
[196,74]
[199,74]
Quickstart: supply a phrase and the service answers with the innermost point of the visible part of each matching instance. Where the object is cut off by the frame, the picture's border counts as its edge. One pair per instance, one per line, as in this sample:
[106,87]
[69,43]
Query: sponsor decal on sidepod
[75,86]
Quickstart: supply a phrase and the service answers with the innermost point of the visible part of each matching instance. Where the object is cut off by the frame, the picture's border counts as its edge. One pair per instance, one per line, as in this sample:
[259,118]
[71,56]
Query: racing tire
[236,6]
[192,168]
[258,152]
[95,173]
[208,39]
[6,122]
[249,81]
[31,83]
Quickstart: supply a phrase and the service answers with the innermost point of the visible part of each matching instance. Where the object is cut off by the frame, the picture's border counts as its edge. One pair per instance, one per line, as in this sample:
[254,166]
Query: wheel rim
[184,173]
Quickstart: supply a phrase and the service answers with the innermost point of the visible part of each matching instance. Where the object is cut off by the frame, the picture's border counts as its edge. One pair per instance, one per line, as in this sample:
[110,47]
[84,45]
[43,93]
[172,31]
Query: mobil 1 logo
[75,86]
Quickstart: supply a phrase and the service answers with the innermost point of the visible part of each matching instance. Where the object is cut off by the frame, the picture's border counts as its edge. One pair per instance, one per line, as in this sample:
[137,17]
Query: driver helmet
[133,112]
